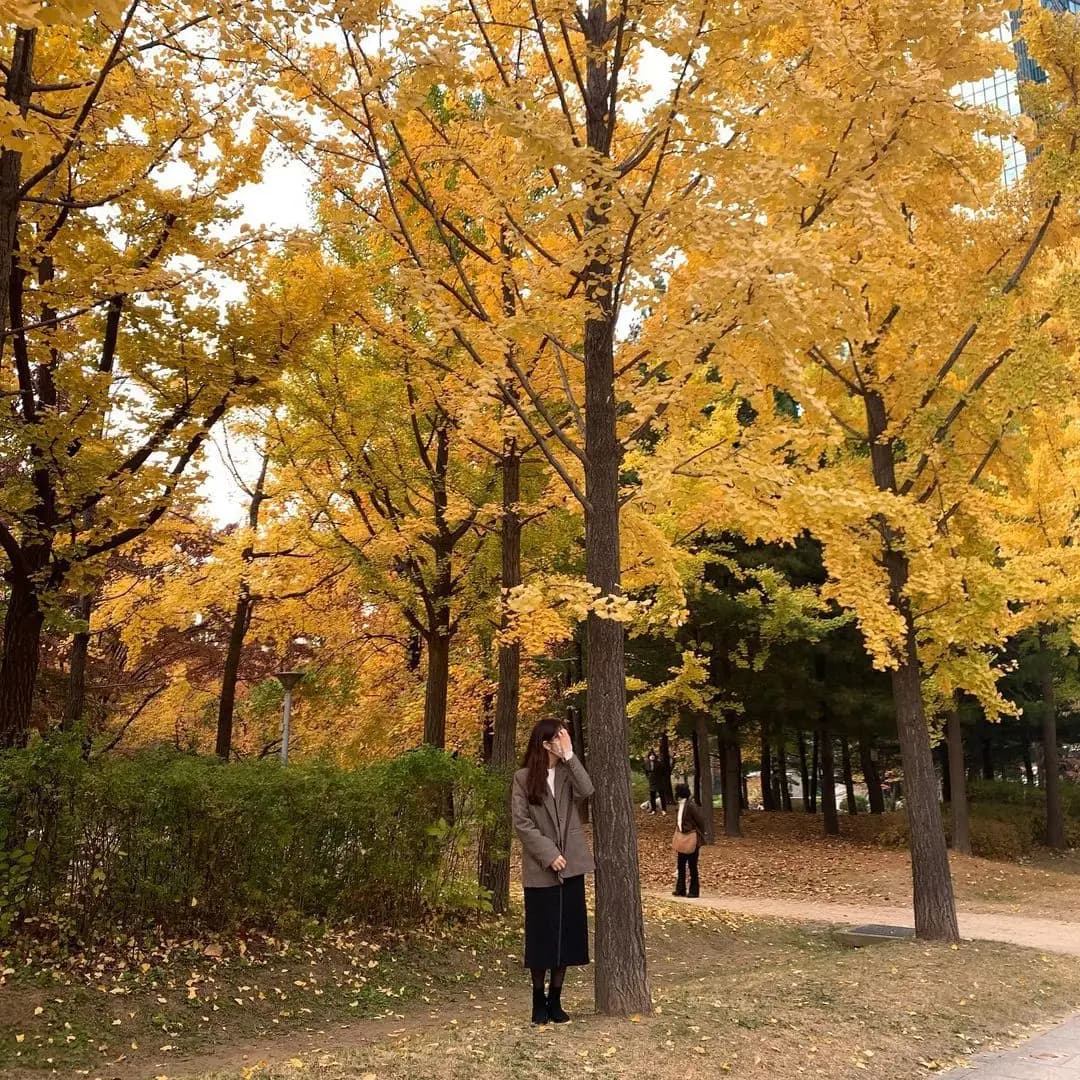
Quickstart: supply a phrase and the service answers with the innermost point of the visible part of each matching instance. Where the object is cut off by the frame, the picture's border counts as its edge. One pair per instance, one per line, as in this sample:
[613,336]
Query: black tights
[557,976]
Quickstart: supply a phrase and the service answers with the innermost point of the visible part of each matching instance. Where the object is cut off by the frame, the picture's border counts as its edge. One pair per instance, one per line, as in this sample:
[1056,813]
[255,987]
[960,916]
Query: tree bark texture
[495,861]
[934,902]
[621,981]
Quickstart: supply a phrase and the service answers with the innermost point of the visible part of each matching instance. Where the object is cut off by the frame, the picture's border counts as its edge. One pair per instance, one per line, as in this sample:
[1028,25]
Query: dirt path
[1047,935]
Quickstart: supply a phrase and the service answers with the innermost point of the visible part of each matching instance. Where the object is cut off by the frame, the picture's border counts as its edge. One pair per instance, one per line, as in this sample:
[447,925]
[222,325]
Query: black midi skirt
[557,925]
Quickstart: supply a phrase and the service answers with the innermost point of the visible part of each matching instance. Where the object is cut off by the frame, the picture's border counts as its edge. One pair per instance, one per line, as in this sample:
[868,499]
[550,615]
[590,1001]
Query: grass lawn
[734,998]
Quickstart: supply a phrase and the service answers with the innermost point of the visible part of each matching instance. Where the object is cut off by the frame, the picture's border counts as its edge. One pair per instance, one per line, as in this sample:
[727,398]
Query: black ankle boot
[540,1007]
[555,1009]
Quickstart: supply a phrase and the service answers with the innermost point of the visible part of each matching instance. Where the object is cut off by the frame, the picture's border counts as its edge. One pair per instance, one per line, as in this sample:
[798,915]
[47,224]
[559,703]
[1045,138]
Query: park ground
[735,995]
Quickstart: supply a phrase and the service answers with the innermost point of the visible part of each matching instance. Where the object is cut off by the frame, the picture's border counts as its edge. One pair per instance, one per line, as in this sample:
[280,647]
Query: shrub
[991,838]
[180,843]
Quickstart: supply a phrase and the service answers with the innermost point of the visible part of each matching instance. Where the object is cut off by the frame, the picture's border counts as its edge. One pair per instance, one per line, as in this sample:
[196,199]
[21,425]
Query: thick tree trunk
[703,790]
[782,767]
[75,702]
[961,830]
[768,801]
[804,772]
[815,756]
[874,797]
[828,783]
[935,905]
[23,622]
[436,689]
[732,779]
[1055,816]
[849,777]
[621,982]
[495,858]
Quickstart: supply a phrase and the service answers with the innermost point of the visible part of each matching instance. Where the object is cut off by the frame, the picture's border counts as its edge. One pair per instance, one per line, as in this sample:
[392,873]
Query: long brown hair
[536,758]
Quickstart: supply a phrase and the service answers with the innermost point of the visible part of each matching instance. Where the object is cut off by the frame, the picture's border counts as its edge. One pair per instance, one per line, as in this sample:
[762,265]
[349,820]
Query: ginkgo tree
[651,186]
[917,311]
[135,312]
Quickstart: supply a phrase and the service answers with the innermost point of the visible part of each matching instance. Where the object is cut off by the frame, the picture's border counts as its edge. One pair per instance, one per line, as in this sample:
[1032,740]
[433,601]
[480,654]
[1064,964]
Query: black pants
[656,796]
[680,883]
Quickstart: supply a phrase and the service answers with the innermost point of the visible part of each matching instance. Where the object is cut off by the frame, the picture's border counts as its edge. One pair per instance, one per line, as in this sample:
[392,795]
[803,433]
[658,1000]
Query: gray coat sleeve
[540,847]
[580,783]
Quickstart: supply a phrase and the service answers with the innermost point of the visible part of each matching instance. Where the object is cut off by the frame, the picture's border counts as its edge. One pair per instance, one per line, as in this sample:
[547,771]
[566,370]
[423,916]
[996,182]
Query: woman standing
[555,859]
[688,838]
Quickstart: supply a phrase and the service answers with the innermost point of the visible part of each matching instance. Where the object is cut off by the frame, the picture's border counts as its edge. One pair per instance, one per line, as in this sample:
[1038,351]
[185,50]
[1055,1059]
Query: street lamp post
[288,679]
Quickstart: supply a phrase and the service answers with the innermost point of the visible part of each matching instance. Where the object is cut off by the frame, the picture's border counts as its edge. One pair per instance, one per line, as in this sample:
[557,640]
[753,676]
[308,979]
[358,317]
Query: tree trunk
[75,702]
[1055,817]
[495,860]
[729,741]
[946,772]
[744,787]
[986,748]
[621,981]
[703,790]
[785,787]
[870,773]
[961,830]
[935,905]
[828,783]
[230,672]
[804,772]
[849,778]
[436,689]
[815,756]
[17,91]
[245,604]
[23,621]
[1029,765]
[694,746]
[768,801]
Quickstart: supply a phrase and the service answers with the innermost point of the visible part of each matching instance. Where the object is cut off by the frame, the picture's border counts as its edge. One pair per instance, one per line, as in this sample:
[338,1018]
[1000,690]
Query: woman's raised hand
[562,745]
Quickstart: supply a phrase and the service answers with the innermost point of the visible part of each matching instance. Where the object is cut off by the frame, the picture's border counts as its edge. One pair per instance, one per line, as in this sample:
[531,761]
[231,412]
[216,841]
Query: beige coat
[553,828]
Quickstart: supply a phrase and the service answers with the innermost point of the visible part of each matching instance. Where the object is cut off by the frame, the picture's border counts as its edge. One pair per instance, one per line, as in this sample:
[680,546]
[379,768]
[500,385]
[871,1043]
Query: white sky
[279,202]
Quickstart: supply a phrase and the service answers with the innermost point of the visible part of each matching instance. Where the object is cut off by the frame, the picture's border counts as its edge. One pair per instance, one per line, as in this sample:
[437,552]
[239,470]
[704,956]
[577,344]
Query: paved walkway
[1054,1055]
[1047,935]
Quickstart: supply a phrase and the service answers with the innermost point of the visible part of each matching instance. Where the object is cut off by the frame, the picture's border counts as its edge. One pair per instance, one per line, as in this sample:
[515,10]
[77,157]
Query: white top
[682,808]
[551,774]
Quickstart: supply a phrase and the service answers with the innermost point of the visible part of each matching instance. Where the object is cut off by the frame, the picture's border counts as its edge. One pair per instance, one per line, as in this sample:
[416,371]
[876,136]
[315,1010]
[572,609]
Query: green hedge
[175,843]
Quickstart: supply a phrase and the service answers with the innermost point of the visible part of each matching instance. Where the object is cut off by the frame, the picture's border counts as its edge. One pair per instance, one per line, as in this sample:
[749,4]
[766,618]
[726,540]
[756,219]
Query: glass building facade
[1003,87]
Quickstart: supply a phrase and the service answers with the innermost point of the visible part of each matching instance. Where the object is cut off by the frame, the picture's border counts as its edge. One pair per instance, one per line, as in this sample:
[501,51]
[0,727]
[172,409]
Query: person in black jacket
[688,819]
